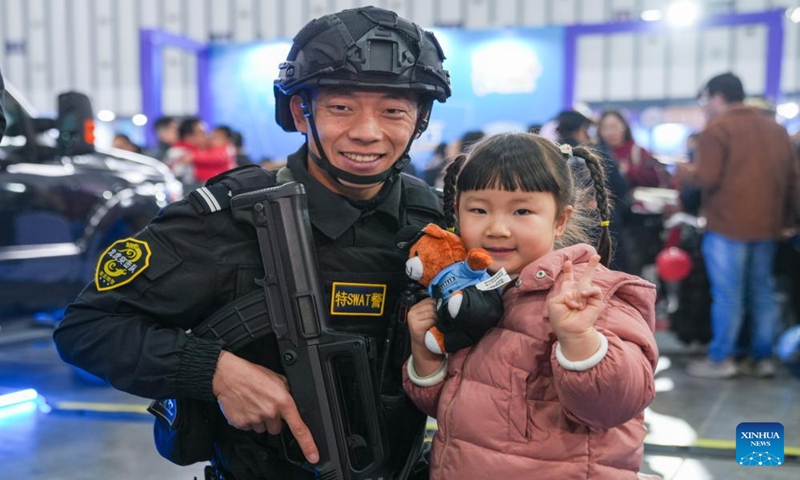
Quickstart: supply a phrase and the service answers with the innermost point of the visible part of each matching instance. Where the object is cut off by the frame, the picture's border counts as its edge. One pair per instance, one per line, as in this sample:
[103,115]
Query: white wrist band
[428,381]
[582,365]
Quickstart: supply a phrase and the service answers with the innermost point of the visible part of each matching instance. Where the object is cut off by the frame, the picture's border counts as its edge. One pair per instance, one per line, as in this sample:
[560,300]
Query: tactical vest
[351,277]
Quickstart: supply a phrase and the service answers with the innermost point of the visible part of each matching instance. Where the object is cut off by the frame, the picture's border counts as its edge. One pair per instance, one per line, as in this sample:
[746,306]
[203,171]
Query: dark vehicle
[61,207]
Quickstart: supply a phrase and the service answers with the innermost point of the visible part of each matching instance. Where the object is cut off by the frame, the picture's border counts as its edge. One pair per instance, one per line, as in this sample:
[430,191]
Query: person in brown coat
[746,168]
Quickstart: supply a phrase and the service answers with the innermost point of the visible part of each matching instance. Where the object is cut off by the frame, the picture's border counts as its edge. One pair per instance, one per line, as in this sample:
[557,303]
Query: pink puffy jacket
[508,410]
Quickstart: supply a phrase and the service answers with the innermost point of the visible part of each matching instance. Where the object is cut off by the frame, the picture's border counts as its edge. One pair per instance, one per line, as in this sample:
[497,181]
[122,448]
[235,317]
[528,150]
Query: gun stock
[315,357]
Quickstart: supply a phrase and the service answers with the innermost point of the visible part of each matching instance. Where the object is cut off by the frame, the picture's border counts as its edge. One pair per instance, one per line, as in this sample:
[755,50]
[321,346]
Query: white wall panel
[149,13]
[448,12]
[620,67]
[750,60]
[617,9]
[506,13]
[564,12]
[534,14]
[752,5]
[715,55]
[60,64]
[268,20]
[82,49]
[104,42]
[174,60]
[15,68]
[318,8]
[196,23]
[683,74]
[220,22]
[243,21]
[127,33]
[591,11]
[790,74]
[590,68]
[173,15]
[476,14]
[38,51]
[652,64]
[422,12]
[293,19]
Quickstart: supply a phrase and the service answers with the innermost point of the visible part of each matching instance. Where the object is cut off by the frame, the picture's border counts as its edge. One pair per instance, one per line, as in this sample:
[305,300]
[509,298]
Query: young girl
[558,388]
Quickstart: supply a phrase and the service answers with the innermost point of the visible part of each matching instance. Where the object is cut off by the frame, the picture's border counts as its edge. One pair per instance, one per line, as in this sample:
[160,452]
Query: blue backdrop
[502,80]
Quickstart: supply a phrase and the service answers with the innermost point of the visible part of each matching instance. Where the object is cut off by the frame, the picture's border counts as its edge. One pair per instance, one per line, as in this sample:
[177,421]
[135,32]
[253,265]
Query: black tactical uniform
[200,261]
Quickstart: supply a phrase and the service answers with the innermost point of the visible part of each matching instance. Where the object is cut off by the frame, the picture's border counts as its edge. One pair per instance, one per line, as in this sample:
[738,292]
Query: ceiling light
[683,13]
[651,15]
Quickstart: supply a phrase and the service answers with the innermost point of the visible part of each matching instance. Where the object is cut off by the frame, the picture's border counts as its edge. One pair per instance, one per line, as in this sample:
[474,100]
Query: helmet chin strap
[338,174]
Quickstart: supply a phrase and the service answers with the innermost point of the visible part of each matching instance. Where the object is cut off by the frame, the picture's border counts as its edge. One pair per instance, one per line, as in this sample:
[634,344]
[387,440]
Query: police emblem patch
[121,263]
[358,299]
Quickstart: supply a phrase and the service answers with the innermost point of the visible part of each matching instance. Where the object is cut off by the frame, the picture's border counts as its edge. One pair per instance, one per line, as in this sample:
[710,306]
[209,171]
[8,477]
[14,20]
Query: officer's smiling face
[363,132]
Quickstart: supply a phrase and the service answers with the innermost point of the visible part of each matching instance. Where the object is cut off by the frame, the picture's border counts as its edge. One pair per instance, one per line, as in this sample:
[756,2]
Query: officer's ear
[298,113]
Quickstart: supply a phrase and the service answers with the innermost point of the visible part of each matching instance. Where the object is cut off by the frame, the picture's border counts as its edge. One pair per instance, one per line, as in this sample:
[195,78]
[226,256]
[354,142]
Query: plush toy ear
[478,259]
[435,231]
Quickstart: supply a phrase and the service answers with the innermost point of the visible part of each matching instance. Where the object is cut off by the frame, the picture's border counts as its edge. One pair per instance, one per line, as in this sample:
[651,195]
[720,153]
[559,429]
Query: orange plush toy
[468,300]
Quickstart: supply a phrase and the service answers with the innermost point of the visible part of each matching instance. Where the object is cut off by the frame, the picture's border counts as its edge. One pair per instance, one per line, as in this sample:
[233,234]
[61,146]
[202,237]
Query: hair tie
[566,149]
[451,229]
[605,223]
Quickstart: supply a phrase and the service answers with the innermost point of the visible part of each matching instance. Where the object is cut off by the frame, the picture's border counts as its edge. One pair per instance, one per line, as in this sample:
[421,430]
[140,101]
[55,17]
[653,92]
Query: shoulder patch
[123,261]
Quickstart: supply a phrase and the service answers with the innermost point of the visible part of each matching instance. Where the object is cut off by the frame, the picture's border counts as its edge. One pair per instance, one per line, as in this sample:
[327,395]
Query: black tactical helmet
[362,47]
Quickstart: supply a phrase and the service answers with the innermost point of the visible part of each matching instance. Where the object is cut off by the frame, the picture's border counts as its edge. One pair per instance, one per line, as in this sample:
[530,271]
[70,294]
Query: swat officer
[360,85]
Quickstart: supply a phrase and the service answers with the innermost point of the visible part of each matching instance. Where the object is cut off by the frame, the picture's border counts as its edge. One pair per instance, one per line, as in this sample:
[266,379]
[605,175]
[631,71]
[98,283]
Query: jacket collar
[331,213]
[542,273]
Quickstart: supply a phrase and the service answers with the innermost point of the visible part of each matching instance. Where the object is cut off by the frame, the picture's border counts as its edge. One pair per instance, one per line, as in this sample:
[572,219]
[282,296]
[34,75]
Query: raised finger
[567,280]
[588,276]
[301,433]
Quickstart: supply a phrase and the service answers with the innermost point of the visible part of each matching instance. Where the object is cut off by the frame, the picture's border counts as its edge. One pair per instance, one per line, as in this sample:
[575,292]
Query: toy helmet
[364,47]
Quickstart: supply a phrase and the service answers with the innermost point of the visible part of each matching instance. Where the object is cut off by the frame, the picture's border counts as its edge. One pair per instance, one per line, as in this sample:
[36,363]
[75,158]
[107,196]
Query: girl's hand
[576,307]
[420,318]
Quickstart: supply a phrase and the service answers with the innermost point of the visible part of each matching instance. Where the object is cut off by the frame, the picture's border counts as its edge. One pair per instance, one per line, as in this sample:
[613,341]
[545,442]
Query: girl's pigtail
[597,172]
[449,189]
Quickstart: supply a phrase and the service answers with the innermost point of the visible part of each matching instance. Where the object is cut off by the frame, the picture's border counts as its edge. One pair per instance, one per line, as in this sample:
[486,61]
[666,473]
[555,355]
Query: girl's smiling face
[515,227]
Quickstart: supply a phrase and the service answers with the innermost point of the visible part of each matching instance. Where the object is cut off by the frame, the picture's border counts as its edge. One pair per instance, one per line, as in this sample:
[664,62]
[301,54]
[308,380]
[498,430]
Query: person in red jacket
[558,388]
[193,159]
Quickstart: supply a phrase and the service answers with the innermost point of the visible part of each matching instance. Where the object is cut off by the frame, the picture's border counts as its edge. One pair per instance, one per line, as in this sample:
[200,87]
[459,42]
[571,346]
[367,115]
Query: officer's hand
[255,398]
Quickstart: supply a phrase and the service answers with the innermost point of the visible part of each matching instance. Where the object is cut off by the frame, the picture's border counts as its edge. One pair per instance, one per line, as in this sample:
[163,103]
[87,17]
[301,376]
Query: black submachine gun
[313,355]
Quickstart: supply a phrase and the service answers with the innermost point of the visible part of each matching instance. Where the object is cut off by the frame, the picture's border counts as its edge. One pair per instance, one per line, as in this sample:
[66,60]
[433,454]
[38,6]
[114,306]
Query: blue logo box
[759,444]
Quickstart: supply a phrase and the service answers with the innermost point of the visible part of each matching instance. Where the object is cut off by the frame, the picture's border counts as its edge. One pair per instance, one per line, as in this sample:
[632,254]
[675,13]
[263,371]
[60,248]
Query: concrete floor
[692,422]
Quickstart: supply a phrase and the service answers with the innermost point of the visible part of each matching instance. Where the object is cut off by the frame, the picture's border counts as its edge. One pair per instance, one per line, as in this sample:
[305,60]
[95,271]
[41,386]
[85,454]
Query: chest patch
[121,263]
[358,299]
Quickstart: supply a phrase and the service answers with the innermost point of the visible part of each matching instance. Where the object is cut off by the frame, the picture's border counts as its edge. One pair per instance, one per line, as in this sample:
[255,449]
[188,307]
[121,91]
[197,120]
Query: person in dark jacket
[134,325]
[573,128]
